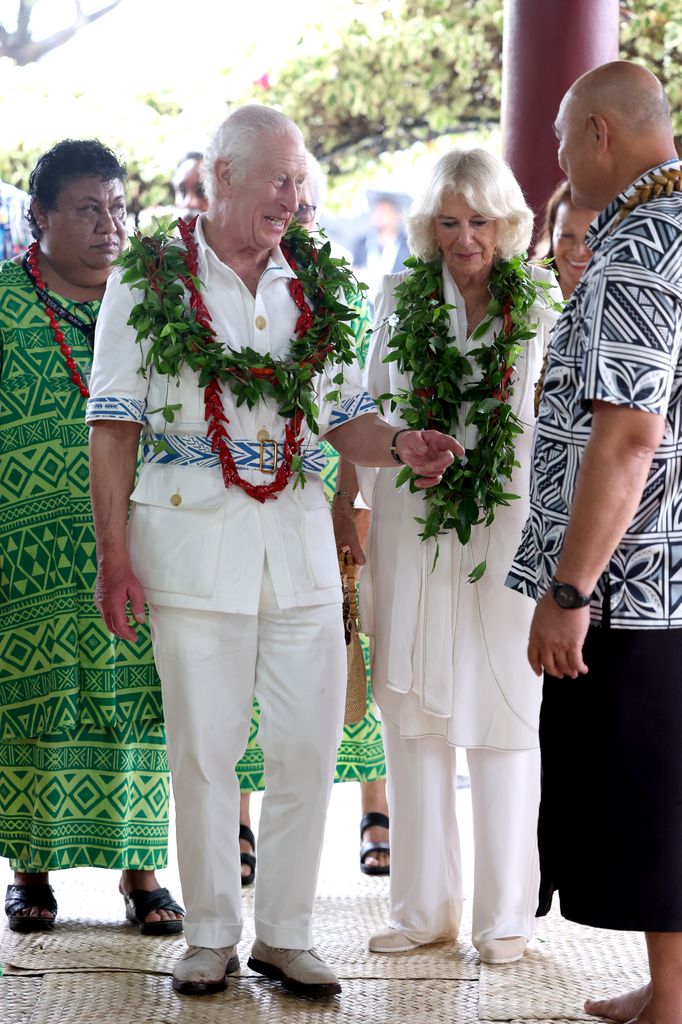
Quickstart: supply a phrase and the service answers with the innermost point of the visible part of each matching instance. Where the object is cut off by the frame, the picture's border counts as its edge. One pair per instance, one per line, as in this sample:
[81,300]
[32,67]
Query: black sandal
[248,858]
[368,821]
[23,897]
[141,902]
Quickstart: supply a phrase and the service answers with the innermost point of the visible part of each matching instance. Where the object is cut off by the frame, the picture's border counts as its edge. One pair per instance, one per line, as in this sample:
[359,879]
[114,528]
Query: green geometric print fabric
[360,756]
[68,689]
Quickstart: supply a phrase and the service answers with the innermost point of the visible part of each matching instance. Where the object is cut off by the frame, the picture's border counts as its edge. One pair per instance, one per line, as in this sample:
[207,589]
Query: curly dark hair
[69,159]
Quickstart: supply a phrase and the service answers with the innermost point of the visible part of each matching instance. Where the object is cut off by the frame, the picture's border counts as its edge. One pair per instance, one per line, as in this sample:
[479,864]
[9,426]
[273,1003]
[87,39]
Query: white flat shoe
[502,951]
[391,941]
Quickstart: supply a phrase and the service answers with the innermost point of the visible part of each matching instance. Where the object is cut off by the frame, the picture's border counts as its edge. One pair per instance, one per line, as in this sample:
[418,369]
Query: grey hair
[316,180]
[489,187]
[237,137]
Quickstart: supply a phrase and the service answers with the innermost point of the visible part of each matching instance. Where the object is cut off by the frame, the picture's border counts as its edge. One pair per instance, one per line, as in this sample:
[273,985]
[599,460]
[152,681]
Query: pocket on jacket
[175,529]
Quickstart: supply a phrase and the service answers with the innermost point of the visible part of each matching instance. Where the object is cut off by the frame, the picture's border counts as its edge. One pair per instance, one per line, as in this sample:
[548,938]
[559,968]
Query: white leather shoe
[301,971]
[391,941]
[202,970]
[502,951]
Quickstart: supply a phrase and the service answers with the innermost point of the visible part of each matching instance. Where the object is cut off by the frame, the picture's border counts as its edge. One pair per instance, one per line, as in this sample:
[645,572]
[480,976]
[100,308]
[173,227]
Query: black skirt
[610,827]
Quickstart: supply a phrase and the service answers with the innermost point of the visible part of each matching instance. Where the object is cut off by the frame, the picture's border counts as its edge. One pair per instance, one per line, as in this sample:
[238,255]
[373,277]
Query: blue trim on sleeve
[114,408]
[350,408]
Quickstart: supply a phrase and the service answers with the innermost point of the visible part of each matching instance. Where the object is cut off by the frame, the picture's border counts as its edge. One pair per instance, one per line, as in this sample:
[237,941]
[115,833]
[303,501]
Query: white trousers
[426,870]
[211,664]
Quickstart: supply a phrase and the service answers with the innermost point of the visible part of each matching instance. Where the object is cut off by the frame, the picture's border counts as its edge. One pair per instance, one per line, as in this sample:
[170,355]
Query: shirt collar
[605,222]
[277,266]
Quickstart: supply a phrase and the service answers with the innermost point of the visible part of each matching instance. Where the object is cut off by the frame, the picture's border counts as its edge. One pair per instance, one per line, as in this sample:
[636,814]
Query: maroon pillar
[547,44]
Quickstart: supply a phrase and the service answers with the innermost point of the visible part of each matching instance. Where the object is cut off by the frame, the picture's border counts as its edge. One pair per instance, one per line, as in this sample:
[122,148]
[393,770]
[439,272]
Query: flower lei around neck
[472,488]
[180,334]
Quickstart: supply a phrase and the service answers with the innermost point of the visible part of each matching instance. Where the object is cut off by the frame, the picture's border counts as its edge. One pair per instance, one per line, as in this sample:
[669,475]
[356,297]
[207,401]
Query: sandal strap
[246,833]
[249,859]
[368,848]
[144,902]
[23,897]
[372,819]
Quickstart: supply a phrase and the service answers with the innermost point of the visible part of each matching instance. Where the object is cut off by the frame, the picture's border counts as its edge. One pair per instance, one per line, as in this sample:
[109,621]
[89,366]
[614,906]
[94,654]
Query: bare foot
[146,880]
[621,1008]
[33,878]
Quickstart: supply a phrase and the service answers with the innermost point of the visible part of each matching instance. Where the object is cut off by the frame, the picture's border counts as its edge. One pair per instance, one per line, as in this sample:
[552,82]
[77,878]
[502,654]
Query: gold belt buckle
[262,456]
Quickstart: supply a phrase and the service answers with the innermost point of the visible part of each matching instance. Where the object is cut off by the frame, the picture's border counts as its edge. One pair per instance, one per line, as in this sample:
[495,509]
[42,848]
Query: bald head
[627,94]
[613,125]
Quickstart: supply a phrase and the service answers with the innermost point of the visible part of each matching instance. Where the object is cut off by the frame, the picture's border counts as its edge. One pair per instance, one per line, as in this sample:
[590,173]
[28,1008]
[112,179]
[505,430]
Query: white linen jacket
[192,542]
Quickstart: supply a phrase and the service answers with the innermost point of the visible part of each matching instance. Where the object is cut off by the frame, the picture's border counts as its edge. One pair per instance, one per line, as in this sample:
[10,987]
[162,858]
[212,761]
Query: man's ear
[598,133]
[223,177]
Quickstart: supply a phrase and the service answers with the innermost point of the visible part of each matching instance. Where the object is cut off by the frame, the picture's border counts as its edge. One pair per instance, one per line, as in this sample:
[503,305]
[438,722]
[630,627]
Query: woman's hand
[428,453]
[345,530]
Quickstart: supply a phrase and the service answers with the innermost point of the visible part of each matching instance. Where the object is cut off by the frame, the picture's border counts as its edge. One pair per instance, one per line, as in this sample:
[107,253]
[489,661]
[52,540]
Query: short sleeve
[632,324]
[118,391]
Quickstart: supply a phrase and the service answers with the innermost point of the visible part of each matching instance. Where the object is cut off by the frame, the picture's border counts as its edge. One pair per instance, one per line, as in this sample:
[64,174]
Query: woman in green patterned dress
[360,757]
[83,770]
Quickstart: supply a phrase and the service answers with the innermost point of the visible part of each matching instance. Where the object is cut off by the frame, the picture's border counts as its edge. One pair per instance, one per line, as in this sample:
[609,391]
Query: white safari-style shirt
[192,542]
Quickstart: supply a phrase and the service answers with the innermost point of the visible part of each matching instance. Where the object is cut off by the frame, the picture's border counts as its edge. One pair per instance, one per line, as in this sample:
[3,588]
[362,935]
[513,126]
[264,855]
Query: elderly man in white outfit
[243,591]
[449,664]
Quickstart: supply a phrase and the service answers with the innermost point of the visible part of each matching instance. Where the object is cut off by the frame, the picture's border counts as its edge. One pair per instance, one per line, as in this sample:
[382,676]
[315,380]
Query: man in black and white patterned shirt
[602,549]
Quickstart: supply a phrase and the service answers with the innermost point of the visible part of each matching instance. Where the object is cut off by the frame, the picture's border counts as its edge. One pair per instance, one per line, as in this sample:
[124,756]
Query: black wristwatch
[568,596]
[394,445]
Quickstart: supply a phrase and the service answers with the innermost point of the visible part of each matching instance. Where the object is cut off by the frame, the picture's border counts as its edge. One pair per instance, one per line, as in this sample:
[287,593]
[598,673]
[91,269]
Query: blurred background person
[15,235]
[383,248]
[360,756]
[188,188]
[449,664]
[563,237]
[83,768]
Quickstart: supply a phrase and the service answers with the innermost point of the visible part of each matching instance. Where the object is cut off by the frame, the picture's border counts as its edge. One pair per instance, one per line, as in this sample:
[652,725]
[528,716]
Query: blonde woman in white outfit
[449,664]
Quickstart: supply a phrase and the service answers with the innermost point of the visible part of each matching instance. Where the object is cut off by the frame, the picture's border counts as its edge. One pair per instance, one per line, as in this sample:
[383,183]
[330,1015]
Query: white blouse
[449,656]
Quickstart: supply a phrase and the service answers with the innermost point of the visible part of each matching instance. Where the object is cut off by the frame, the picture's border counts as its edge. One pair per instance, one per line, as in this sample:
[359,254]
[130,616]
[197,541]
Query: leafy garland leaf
[472,488]
[155,266]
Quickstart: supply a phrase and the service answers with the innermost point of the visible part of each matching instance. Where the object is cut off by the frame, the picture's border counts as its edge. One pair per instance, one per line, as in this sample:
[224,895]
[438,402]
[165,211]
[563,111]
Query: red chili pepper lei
[214,412]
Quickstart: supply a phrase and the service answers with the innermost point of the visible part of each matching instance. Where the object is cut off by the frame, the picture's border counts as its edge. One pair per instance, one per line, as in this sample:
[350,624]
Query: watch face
[566,596]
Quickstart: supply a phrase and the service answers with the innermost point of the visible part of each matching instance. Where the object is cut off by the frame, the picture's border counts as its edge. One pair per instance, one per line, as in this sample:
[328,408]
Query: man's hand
[428,453]
[116,585]
[556,639]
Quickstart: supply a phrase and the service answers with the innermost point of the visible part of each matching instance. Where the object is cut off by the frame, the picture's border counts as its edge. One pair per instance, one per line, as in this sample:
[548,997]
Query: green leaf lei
[156,266]
[472,488]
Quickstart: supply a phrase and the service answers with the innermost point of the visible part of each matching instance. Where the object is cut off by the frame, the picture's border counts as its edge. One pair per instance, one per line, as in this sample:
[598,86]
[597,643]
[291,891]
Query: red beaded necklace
[36,276]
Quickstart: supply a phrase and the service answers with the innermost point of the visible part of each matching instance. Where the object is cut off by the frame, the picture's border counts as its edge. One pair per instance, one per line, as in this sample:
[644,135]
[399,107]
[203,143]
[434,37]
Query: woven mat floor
[95,967]
[81,943]
[566,964]
[79,998]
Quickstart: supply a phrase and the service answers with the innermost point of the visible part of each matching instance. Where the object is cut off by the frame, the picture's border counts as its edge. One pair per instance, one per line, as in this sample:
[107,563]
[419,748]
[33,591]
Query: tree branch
[23,49]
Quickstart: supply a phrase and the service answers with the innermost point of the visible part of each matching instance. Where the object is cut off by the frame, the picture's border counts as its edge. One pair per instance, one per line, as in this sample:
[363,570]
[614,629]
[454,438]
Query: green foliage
[410,70]
[442,394]
[397,73]
[393,73]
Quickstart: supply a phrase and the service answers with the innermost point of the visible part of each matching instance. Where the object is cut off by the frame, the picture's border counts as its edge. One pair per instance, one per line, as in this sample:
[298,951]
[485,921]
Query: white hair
[489,187]
[316,180]
[237,137]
